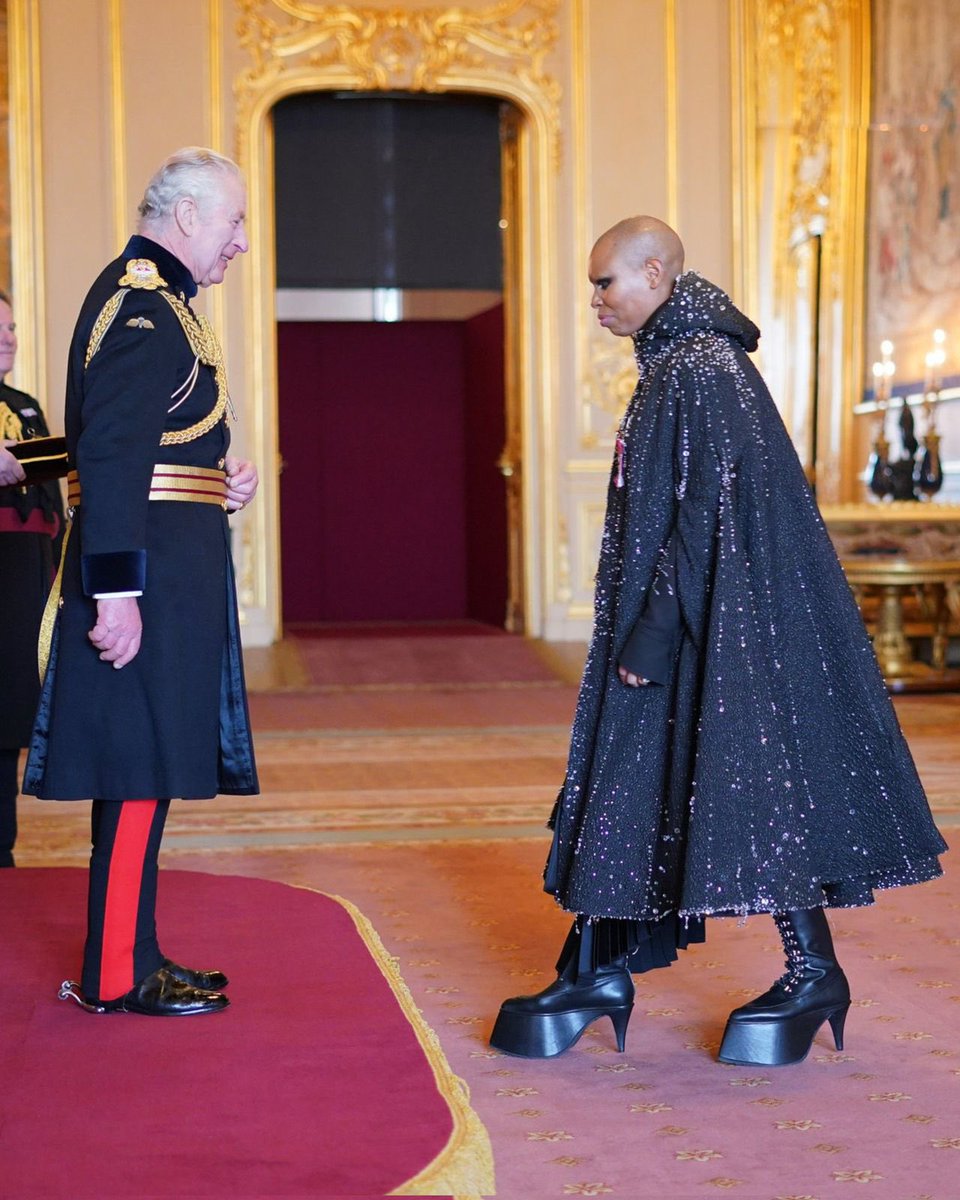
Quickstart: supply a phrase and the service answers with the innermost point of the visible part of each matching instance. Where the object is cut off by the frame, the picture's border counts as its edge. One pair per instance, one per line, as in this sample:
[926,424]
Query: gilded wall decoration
[805,36]
[429,50]
[803,82]
[5,281]
[498,49]
[606,388]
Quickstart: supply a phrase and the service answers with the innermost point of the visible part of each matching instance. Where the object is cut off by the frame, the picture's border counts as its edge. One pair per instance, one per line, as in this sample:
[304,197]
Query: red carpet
[391,661]
[320,1080]
[391,629]
[434,708]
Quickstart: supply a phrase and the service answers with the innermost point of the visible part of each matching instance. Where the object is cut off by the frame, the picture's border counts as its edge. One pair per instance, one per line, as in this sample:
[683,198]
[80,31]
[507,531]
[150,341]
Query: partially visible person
[143,698]
[31,527]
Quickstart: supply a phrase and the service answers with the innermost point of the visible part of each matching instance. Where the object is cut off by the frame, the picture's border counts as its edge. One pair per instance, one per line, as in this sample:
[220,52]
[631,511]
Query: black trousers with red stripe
[121,947]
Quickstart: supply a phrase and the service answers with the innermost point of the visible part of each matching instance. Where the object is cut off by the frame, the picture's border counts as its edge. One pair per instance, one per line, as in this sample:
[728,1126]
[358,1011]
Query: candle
[934,360]
[878,382]
[883,372]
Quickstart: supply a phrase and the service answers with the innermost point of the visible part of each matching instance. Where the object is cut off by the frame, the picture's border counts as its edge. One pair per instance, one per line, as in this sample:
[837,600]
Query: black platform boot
[546,1024]
[778,1027]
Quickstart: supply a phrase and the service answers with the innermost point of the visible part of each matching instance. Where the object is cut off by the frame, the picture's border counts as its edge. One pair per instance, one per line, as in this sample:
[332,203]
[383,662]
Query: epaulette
[142,273]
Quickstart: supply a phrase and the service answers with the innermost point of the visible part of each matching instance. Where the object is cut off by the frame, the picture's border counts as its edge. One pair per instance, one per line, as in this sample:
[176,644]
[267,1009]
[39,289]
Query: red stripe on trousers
[123,898]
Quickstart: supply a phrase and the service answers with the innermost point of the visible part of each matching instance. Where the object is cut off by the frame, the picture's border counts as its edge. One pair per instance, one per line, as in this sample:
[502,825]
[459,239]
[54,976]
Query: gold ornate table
[936,587]
[903,562]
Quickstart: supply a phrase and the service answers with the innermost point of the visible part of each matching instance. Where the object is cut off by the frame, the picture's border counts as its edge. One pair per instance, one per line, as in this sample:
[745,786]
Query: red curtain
[388,489]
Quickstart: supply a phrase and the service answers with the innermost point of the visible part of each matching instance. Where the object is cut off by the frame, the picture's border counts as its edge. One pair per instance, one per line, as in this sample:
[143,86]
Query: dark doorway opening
[392,505]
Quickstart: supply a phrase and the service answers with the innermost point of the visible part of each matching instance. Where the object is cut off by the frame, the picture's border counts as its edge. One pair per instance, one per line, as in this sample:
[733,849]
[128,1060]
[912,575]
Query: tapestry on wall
[913,245]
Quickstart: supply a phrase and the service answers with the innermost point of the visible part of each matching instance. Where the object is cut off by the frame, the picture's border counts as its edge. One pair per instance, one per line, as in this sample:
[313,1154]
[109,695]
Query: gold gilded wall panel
[26,263]
[4,152]
[802,77]
[616,119]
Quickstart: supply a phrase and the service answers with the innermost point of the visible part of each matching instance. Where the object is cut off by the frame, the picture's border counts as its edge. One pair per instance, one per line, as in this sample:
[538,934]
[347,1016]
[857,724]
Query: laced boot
[778,1027]
[551,1021]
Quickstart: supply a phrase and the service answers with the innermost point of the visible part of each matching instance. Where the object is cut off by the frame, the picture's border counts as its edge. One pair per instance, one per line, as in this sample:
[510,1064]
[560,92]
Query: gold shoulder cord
[204,344]
[141,273]
[102,324]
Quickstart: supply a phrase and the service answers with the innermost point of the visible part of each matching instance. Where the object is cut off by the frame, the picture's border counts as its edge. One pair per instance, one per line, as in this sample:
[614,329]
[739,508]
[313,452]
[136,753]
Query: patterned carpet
[424,805]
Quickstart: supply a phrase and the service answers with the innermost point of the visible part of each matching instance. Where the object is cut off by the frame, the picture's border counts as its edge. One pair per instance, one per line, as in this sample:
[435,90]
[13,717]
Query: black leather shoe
[163,995]
[550,1022]
[208,981]
[159,995]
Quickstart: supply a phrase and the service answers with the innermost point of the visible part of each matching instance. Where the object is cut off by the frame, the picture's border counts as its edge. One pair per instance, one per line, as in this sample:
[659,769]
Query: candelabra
[917,474]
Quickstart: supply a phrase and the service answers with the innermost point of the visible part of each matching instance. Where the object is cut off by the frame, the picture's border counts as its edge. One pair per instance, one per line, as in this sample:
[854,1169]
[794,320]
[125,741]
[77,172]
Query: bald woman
[734,750]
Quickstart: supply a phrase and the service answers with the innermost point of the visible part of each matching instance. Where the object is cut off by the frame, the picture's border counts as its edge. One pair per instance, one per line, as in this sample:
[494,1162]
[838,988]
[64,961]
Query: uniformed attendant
[31,526]
[143,697]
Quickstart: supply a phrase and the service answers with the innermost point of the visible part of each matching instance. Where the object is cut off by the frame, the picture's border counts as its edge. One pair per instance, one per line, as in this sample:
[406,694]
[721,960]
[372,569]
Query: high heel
[550,1022]
[777,1029]
[837,1021]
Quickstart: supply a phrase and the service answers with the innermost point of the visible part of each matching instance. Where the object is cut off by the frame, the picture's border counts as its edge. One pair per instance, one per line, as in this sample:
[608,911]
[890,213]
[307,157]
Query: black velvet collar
[179,280]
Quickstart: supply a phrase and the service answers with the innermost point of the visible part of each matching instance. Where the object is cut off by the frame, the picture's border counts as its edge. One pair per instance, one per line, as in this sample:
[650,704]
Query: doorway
[393,407]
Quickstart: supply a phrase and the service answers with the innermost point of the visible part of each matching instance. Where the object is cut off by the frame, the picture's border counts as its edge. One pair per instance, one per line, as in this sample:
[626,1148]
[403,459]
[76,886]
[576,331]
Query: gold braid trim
[464,1168]
[102,324]
[204,344]
[11,427]
[50,610]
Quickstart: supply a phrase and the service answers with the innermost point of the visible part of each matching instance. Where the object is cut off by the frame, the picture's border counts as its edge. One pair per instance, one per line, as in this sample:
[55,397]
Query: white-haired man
[143,697]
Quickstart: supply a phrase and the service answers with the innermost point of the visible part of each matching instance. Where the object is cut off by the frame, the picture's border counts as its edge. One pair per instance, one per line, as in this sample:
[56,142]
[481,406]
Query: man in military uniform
[143,697]
[31,525]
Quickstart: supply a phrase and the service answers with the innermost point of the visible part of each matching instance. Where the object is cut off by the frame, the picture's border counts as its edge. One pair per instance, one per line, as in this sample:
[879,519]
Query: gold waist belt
[200,485]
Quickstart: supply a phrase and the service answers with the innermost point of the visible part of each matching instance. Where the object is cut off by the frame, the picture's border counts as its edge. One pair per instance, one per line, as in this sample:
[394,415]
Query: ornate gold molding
[499,49]
[118,124]
[800,48]
[803,88]
[605,393]
[26,194]
[215,139]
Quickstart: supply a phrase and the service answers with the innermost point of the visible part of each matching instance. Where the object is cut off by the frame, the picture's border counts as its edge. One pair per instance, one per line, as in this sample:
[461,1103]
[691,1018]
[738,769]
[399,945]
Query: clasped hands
[119,626]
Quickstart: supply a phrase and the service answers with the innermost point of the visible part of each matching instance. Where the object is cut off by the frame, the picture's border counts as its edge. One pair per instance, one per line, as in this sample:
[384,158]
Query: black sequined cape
[769,772]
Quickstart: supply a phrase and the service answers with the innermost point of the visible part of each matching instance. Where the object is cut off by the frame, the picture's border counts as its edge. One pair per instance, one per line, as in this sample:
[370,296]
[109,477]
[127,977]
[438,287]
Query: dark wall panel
[387,192]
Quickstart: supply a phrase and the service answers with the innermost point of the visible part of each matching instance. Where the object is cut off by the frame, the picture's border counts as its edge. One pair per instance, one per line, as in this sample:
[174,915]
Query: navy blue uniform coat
[173,722]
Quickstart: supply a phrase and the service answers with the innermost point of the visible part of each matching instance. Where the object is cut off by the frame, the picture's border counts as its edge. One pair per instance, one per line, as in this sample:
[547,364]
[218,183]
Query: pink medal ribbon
[621,453]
